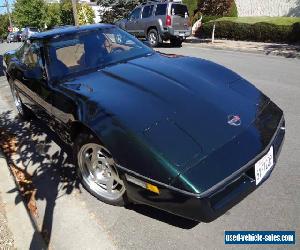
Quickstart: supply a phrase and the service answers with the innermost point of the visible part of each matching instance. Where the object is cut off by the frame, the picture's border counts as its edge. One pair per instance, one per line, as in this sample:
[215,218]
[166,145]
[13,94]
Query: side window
[161,10]
[22,50]
[147,11]
[70,53]
[135,14]
[31,56]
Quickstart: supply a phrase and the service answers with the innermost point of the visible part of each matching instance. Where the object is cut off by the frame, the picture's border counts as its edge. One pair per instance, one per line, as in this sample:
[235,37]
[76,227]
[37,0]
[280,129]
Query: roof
[64,30]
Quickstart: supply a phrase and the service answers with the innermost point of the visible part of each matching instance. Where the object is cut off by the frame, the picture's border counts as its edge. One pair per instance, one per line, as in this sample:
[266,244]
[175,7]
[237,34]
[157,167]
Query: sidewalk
[17,231]
[278,49]
[6,237]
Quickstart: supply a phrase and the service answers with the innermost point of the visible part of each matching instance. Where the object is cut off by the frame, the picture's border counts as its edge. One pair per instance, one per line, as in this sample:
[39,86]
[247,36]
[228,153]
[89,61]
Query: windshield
[87,50]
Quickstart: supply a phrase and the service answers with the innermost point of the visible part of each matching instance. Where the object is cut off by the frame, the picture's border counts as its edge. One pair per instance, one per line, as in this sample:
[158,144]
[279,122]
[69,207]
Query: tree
[218,7]
[53,17]
[67,17]
[86,14]
[4,23]
[114,10]
[192,6]
[29,13]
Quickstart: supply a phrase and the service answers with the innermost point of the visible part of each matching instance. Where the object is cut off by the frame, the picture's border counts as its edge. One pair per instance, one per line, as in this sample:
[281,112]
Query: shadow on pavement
[163,216]
[1,66]
[43,171]
[286,50]
[168,46]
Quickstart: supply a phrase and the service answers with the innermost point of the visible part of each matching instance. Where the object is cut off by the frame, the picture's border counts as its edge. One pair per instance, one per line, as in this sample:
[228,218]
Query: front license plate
[263,166]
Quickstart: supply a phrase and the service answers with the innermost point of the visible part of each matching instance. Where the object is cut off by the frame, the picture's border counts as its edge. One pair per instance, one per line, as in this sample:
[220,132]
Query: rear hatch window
[179,10]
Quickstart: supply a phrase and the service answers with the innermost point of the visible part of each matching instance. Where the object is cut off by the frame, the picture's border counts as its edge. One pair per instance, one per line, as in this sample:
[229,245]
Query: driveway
[62,204]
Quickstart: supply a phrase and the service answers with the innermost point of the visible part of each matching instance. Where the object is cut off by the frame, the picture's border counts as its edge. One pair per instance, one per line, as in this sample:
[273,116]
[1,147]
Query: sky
[2,2]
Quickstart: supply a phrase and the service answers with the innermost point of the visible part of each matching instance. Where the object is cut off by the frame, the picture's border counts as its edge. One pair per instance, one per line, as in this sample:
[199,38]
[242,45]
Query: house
[268,7]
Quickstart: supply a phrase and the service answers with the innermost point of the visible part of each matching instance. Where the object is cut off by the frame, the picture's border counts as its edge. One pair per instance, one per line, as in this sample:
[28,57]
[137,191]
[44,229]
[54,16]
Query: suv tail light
[168,21]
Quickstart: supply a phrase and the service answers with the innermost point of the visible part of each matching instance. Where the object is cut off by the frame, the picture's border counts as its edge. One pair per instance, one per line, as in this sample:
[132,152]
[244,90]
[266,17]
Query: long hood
[180,106]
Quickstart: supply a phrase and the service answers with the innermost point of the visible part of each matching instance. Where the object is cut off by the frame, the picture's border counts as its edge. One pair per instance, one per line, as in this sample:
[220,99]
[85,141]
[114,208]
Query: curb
[25,233]
[286,54]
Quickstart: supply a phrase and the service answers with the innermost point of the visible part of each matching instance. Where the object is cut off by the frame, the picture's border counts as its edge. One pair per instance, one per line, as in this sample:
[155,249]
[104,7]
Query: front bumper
[214,203]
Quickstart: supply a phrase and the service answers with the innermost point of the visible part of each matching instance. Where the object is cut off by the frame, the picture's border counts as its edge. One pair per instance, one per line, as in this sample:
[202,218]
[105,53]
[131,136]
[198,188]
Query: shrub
[207,19]
[295,36]
[217,7]
[261,32]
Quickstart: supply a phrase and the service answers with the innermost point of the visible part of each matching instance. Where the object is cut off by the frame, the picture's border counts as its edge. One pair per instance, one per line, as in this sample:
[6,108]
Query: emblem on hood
[234,120]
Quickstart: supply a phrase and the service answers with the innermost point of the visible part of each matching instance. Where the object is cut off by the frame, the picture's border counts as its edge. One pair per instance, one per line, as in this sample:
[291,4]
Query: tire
[176,41]
[153,38]
[23,111]
[97,170]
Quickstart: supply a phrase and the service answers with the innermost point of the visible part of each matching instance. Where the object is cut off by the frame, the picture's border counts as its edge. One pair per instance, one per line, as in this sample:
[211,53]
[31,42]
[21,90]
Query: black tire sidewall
[176,41]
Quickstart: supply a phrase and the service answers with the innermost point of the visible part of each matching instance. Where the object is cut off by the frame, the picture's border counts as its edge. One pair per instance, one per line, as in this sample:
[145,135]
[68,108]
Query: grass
[271,20]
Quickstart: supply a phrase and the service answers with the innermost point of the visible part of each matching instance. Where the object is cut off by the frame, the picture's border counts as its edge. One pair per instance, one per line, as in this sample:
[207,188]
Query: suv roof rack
[160,1]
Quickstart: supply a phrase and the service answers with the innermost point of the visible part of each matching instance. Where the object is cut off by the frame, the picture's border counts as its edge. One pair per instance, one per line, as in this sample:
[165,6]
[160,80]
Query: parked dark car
[18,36]
[159,21]
[11,37]
[28,32]
[177,133]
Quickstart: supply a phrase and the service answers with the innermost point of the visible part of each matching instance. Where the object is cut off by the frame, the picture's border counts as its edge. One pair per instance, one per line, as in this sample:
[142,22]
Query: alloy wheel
[98,171]
[17,101]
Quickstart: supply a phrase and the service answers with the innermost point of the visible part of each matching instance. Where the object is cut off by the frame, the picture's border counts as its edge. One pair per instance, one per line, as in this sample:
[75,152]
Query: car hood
[179,106]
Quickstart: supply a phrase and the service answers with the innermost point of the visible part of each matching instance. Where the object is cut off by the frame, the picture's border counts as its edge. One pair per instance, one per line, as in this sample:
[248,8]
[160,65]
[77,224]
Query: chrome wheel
[99,173]
[17,101]
[152,38]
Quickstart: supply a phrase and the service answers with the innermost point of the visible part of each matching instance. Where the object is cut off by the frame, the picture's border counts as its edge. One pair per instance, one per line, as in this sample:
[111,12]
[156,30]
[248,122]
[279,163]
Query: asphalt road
[274,206]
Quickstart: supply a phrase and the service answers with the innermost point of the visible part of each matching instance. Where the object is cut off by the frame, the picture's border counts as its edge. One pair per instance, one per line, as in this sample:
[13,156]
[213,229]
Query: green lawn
[252,20]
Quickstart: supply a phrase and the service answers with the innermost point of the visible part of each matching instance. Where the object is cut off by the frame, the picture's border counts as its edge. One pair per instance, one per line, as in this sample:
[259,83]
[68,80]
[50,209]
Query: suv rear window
[161,9]
[179,10]
[147,11]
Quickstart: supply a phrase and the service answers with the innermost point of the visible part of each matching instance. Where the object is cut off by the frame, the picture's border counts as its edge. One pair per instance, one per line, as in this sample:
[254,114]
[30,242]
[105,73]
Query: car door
[32,83]
[133,23]
[145,22]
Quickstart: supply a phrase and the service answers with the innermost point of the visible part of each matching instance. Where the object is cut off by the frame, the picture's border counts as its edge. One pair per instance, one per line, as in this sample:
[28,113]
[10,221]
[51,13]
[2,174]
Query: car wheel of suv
[176,41]
[97,170]
[23,111]
[153,38]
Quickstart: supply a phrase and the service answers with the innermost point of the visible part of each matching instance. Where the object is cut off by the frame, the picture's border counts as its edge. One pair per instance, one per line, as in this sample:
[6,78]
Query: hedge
[260,32]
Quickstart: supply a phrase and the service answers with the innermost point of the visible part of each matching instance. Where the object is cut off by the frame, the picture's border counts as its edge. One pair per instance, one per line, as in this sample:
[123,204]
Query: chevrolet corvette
[177,133]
